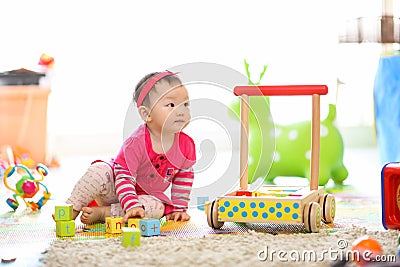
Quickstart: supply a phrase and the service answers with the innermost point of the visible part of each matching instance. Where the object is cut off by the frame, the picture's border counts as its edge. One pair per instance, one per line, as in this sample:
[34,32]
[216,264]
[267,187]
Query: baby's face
[170,110]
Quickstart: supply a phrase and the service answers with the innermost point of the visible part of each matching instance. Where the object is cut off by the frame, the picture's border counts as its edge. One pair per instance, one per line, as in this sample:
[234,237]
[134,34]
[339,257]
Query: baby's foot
[94,214]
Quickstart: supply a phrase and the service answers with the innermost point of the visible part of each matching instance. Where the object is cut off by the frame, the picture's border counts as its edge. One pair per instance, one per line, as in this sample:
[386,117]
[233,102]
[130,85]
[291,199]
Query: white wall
[102,48]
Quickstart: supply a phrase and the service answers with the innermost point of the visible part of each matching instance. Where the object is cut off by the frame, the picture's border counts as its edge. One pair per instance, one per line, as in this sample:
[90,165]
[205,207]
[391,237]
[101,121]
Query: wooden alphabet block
[114,225]
[149,227]
[130,237]
[134,223]
[63,213]
[65,228]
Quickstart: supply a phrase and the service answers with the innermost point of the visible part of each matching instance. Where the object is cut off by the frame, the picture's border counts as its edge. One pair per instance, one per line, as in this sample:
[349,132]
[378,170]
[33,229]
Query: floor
[363,182]
[364,168]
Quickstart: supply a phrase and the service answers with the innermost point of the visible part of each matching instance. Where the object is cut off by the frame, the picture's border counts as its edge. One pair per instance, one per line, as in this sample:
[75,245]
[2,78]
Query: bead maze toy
[276,204]
[27,186]
[390,189]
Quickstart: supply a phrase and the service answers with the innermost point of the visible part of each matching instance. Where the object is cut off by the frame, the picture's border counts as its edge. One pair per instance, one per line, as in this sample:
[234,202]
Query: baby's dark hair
[138,89]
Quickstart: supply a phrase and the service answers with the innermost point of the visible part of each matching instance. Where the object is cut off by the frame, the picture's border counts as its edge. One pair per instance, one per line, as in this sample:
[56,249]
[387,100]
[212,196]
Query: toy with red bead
[27,186]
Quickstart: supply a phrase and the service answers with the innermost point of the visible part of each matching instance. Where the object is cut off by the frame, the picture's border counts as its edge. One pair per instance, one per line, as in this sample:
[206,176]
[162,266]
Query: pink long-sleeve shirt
[140,170]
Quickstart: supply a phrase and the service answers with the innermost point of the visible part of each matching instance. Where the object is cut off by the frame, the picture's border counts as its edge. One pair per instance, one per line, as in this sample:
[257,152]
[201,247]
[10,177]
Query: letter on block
[134,223]
[149,227]
[63,213]
[65,228]
[130,237]
[114,225]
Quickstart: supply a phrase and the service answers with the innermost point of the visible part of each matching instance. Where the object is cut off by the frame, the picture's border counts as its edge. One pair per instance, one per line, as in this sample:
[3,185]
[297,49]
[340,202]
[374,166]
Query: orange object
[367,248]
[23,119]
[46,60]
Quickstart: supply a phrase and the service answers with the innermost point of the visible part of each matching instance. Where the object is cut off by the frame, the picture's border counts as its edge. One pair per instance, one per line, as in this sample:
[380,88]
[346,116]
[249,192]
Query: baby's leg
[96,183]
[153,207]
[99,214]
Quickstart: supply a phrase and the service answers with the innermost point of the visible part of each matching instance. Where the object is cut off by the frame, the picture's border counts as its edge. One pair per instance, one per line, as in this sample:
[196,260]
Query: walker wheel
[312,217]
[212,215]
[328,206]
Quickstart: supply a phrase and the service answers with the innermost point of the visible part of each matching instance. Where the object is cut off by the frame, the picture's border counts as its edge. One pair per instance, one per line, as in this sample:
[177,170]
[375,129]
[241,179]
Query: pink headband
[150,83]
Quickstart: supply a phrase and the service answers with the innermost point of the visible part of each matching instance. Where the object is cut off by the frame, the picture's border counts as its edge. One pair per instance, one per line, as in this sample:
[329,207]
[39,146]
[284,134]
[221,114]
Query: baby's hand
[178,216]
[137,212]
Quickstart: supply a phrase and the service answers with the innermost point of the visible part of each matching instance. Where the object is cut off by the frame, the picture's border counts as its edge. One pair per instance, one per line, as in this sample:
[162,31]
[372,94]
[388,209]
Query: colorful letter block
[149,227]
[63,213]
[65,228]
[134,223]
[114,225]
[130,237]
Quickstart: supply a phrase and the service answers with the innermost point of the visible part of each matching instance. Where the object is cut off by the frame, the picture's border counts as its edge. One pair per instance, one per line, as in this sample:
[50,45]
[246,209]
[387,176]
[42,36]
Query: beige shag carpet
[249,249]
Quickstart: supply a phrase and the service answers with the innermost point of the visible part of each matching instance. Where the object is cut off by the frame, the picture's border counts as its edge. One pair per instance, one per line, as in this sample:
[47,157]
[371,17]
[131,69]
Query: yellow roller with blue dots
[276,204]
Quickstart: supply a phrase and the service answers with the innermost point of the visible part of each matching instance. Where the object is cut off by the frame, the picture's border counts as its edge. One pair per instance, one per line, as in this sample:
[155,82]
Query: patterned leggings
[98,184]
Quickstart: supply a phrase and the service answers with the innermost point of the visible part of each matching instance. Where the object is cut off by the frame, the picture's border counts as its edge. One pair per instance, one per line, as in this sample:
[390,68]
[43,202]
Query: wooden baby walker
[276,204]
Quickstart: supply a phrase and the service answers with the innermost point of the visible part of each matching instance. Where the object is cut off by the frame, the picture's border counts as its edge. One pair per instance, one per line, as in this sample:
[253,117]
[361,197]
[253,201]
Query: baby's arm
[136,212]
[182,182]
[180,194]
[125,187]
